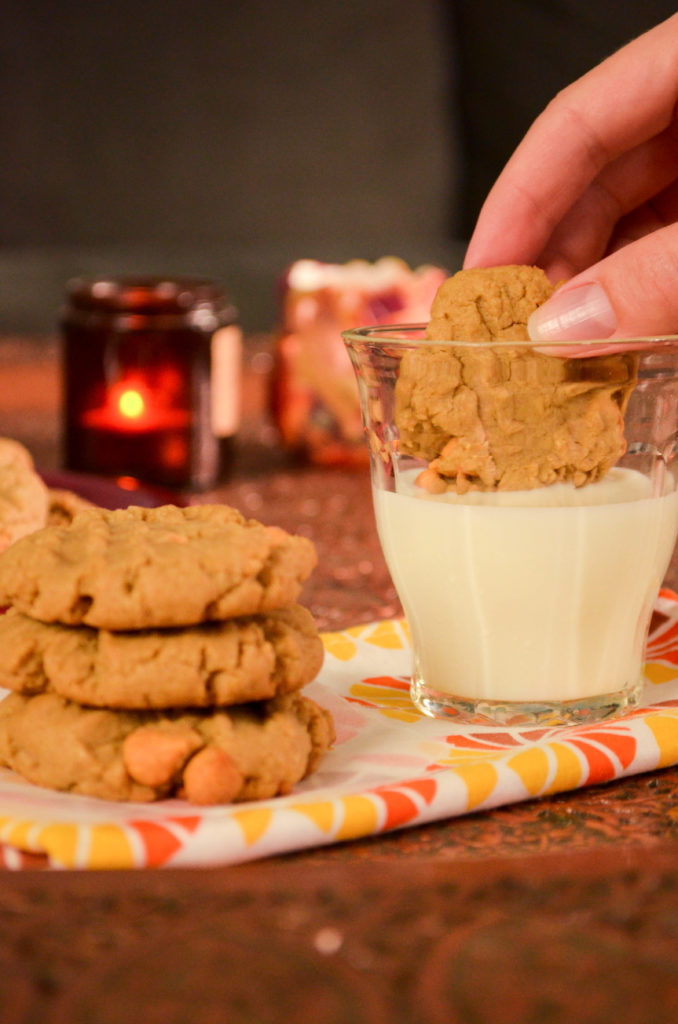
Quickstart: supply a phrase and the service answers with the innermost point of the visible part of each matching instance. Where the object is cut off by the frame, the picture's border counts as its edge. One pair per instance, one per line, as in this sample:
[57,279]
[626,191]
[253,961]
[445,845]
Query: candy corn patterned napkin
[391,767]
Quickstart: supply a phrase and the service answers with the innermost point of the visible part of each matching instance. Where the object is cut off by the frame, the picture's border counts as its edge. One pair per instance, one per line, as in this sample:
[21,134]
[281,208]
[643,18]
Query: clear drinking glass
[528,597]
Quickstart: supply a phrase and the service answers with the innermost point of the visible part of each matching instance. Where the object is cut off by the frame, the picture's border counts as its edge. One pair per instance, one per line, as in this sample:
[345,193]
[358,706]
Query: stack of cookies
[160,652]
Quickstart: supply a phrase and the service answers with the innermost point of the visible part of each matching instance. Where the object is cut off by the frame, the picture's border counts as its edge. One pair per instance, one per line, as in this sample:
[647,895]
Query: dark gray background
[229,137]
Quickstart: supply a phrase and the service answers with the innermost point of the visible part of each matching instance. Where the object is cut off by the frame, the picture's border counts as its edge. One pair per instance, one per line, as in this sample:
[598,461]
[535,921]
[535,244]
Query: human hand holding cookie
[591,195]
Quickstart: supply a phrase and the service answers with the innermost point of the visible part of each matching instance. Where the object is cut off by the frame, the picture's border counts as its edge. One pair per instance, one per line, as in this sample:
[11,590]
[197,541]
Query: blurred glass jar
[315,399]
[151,379]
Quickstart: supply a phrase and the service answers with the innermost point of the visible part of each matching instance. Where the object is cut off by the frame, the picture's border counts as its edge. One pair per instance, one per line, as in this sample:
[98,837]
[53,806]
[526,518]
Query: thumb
[631,293]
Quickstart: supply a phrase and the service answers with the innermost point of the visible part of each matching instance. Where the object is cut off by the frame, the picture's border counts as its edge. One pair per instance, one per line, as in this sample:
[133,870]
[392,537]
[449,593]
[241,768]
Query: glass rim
[397,335]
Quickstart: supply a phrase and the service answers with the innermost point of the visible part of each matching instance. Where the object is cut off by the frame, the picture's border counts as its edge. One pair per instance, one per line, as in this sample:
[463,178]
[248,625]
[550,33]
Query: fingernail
[579,314]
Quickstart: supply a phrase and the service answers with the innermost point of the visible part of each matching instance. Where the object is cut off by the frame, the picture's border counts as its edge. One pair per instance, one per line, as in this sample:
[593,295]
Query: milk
[541,595]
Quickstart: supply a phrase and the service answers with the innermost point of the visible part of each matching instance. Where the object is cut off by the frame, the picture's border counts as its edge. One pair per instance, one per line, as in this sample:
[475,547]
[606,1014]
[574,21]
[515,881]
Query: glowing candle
[140,362]
[131,404]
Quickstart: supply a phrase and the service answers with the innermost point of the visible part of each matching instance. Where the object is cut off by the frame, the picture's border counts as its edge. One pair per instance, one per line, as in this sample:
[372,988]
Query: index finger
[621,103]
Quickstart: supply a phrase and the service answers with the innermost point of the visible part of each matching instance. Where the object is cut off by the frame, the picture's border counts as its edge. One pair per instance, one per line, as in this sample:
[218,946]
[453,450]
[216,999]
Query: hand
[591,195]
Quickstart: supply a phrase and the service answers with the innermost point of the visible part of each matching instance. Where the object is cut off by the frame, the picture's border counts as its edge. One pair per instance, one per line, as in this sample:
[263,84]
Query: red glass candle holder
[151,380]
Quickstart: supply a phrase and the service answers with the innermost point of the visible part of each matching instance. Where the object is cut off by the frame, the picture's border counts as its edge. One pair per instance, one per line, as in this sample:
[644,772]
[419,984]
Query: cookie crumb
[328,941]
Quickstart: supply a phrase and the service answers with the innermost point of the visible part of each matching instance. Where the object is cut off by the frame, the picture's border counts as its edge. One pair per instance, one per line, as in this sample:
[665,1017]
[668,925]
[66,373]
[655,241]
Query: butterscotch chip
[23,495]
[140,568]
[267,747]
[212,777]
[216,663]
[490,416]
[155,757]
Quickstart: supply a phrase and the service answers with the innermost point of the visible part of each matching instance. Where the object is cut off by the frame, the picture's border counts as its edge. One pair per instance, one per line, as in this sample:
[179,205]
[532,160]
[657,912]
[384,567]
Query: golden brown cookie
[23,495]
[217,663]
[141,568]
[488,303]
[250,752]
[506,417]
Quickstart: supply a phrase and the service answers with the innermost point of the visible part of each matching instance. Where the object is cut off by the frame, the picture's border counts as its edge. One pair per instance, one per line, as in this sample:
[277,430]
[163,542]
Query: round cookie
[140,568]
[251,752]
[23,495]
[488,304]
[217,663]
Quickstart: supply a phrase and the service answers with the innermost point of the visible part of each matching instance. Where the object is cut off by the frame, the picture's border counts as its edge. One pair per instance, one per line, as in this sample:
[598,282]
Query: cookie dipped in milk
[525,501]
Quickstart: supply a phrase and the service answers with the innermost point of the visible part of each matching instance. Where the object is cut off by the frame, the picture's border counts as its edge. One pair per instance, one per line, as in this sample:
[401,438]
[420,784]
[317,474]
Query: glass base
[478,711]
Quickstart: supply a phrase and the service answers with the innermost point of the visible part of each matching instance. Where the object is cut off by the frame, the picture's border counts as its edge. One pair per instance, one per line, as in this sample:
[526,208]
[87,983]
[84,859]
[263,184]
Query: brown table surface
[554,910]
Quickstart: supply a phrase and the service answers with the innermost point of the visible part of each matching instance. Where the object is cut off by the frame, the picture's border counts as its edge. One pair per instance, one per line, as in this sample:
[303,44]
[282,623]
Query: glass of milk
[527,605]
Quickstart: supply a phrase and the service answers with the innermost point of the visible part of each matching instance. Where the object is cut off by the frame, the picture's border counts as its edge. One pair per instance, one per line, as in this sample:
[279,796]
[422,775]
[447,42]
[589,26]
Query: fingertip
[582,313]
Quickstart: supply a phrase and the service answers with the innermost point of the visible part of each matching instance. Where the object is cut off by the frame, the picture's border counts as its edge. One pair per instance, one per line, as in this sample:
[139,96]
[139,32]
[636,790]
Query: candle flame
[131,404]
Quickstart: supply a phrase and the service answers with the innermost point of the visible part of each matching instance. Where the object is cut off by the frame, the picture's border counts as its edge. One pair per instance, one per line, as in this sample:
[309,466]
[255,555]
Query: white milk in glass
[541,595]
